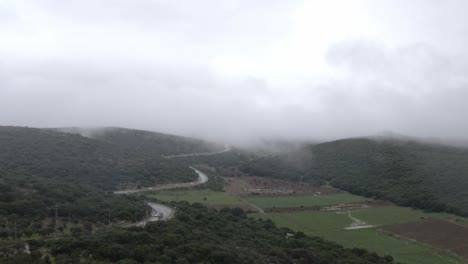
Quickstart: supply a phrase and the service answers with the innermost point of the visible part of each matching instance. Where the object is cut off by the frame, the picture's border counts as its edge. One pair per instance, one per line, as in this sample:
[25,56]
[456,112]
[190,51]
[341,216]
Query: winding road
[161,212]
[202,178]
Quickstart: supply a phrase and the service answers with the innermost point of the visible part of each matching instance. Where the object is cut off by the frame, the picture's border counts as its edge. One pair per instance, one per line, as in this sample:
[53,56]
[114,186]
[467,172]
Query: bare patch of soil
[258,186]
[437,233]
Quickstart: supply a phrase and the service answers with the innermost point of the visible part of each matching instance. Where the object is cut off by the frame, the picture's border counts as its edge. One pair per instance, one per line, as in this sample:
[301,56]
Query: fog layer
[237,70]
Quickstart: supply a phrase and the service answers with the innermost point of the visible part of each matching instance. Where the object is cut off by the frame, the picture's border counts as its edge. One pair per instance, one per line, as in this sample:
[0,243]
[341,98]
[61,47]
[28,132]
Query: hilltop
[152,143]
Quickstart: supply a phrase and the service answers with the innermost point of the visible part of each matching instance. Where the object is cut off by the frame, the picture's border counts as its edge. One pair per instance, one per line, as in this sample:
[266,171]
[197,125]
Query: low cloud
[226,72]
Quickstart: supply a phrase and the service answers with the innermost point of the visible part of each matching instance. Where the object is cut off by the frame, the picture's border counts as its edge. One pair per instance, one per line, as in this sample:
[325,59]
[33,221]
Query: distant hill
[152,143]
[404,171]
[411,173]
[60,156]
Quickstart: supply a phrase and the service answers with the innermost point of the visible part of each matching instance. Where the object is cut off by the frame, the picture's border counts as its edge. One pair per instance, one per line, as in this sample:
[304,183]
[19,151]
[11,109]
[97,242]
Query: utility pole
[109,216]
[69,216]
[15,229]
[55,219]
[147,211]
[56,212]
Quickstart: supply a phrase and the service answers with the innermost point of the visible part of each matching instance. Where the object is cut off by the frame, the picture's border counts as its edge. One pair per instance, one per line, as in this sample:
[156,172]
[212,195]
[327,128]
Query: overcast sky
[237,70]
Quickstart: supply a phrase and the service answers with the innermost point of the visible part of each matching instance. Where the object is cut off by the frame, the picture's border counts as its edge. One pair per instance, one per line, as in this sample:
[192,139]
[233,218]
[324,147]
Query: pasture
[298,201]
[330,225]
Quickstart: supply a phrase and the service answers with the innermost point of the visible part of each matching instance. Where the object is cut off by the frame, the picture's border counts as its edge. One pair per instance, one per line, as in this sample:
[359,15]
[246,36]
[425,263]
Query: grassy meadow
[298,201]
[330,225]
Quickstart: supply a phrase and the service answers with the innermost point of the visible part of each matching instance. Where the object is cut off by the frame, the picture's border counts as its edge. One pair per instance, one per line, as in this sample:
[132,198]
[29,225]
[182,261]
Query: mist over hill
[407,171]
[153,143]
[41,169]
[58,184]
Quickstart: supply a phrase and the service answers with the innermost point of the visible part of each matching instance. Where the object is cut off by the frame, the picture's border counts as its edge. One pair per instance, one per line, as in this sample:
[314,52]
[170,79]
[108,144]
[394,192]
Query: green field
[197,196]
[298,201]
[330,225]
[396,214]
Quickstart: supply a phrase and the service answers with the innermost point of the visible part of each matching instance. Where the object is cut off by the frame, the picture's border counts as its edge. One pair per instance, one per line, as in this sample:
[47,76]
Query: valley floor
[333,215]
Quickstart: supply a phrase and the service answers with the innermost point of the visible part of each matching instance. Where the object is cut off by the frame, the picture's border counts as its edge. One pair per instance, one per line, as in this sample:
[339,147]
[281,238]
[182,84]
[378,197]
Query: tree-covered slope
[409,173]
[63,157]
[152,143]
[201,235]
[422,175]
[293,165]
[41,169]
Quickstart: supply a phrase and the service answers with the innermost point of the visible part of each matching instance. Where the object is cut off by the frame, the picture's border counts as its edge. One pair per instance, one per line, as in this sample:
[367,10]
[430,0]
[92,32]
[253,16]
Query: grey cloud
[414,89]
[149,66]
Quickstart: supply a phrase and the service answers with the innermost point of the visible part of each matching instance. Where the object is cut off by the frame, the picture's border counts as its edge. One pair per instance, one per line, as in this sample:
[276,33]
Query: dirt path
[357,224]
[260,210]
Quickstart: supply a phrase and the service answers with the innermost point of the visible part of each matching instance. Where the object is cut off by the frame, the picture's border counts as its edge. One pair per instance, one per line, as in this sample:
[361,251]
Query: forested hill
[410,173]
[152,143]
[64,157]
[41,169]
[201,235]
[407,172]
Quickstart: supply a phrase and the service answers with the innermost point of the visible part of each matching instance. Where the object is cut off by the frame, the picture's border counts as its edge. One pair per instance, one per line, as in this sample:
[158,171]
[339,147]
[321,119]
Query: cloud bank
[237,70]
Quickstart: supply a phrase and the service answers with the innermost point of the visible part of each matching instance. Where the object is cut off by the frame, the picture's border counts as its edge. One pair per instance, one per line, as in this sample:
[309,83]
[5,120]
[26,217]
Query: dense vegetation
[151,143]
[293,165]
[201,235]
[427,176]
[432,177]
[43,169]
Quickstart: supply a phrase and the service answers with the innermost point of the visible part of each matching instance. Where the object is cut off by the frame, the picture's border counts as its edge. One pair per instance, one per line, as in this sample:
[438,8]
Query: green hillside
[56,197]
[433,177]
[41,169]
[64,157]
[201,235]
[408,173]
[152,143]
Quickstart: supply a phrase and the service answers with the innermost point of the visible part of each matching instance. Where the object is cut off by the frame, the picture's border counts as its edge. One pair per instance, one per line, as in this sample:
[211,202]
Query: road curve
[202,178]
[161,212]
